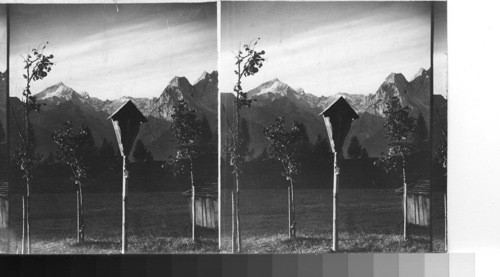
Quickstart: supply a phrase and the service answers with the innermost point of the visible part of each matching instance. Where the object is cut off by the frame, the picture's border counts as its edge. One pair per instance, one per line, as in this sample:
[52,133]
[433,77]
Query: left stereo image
[108,129]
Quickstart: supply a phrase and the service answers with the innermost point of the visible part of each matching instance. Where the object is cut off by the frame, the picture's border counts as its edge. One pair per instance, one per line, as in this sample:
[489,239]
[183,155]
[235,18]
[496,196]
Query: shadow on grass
[203,232]
[95,243]
[306,240]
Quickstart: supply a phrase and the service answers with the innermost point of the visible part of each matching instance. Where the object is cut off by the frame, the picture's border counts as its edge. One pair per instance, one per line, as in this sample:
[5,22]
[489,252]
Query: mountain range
[62,103]
[275,98]
[272,99]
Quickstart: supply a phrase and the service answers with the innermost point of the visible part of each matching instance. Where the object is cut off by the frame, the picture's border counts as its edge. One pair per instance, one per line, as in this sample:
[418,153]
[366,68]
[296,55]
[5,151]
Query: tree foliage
[76,149]
[186,130]
[248,62]
[24,154]
[442,154]
[283,146]
[398,126]
[37,66]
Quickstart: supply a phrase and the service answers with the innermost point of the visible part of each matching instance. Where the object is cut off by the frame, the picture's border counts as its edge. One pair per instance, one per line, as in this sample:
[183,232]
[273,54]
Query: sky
[134,51]
[441,49]
[326,48]
[3,38]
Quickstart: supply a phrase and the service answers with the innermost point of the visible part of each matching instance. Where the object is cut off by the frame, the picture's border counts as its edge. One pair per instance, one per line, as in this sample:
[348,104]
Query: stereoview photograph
[333,127]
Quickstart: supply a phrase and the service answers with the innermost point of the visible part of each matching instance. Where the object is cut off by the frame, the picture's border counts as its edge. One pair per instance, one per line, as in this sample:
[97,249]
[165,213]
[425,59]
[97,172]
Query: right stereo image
[333,127]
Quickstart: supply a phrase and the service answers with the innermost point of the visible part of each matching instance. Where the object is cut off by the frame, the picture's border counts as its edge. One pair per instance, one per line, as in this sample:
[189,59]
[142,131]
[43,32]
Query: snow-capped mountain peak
[59,90]
[203,76]
[275,87]
[300,91]
[420,72]
[85,94]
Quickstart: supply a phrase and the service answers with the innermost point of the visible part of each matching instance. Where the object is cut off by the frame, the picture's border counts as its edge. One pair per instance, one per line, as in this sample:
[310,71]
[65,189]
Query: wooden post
[124,206]
[126,122]
[193,212]
[335,242]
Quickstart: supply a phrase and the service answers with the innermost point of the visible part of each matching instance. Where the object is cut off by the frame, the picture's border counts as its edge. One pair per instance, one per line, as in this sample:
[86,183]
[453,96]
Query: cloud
[136,59]
[353,55]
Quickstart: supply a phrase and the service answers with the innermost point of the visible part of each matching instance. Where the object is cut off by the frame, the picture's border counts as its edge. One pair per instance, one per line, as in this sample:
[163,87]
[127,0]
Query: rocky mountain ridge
[275,98]
[62,103]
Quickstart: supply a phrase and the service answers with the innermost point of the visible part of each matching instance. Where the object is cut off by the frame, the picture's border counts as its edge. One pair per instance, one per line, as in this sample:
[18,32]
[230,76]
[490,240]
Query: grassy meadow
[370,221]
[157,223]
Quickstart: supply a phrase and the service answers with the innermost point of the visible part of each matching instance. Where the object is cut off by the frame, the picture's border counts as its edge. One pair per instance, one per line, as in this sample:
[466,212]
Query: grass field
[158,223]
[370,221]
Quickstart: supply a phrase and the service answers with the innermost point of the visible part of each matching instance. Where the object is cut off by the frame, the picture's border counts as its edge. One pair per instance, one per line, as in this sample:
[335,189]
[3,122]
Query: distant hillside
[275,98]
[62,103]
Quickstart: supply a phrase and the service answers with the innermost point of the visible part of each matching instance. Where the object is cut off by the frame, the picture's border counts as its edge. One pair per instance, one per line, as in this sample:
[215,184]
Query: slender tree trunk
[289,213]
[405,201]
[78,225]
[23,238]
[238,229]
[80,213]
[27,203]
[233,222]
[292,211]
[237,186]
[29,168]
[193,204]
[193,213]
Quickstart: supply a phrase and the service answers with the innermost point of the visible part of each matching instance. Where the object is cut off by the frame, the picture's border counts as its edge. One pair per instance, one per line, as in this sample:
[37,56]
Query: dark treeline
[106,176]
[316,169]
[105,173]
